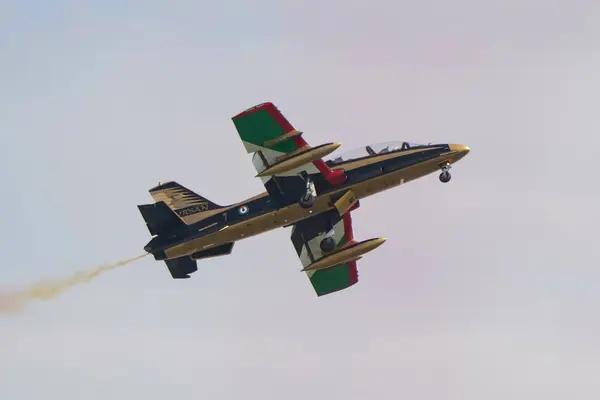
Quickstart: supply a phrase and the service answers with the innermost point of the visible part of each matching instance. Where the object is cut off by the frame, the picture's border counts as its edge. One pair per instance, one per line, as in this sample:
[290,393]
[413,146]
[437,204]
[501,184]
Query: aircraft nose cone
[460,148]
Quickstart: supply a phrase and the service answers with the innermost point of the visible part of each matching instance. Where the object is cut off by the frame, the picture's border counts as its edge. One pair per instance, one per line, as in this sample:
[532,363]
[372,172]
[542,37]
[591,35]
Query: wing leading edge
[306,237]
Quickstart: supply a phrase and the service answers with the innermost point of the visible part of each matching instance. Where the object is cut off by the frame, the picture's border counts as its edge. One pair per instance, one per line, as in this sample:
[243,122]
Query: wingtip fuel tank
[346,254]
[303,156]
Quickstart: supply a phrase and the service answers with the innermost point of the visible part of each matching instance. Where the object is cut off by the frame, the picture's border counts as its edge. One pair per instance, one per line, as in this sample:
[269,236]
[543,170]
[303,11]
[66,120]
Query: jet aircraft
[313,195]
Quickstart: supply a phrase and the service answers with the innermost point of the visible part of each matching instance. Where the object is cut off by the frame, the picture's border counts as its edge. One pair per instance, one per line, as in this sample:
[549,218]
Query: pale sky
[487,287]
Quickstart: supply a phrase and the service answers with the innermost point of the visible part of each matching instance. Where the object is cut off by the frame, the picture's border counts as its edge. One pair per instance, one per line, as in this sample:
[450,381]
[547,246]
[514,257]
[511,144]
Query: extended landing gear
[308,198]
[327,244]
[445,175]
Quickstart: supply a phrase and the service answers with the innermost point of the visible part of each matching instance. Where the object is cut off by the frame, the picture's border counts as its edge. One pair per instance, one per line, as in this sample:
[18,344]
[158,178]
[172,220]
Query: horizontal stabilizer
[182,267]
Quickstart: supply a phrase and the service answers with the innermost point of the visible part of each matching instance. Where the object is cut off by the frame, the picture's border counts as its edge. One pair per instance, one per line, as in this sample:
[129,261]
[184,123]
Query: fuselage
[365,176]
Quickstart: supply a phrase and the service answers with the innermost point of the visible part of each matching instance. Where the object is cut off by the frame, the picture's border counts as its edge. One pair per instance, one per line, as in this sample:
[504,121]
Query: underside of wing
[280,154]
[264,127]
[306,238]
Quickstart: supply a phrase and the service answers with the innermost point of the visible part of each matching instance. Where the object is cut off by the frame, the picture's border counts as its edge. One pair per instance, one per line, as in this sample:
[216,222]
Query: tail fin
[160,219]
[182,200]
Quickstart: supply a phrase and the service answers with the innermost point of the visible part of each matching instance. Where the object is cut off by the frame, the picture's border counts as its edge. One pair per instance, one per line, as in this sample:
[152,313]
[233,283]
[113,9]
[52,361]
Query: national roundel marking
[243,210]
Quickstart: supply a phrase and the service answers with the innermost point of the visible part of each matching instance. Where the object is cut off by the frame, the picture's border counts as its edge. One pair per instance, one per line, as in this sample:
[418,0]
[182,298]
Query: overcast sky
[487,287]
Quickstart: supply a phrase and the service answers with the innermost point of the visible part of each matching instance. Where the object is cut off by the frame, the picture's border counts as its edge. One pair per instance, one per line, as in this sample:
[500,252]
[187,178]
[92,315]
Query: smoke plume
[12,302]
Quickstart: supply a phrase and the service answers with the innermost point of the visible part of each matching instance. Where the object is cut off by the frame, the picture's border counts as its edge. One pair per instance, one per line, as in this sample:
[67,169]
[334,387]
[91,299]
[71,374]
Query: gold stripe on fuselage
[294,213]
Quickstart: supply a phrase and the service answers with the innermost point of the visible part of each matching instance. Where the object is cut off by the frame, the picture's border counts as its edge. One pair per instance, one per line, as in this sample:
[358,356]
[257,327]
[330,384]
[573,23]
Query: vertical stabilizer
[186,204]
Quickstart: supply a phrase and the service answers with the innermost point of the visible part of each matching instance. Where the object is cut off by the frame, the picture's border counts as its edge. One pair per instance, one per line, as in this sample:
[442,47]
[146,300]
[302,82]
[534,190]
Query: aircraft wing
[306,237]
[280,154]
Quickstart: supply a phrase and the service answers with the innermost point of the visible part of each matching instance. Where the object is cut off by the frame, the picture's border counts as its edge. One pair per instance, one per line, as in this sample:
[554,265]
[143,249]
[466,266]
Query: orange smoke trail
[11,303]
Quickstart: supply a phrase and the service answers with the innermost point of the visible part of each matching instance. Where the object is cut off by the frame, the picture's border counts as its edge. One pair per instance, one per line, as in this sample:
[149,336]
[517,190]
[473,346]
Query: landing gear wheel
[307,200]
[327,244]
[445,177]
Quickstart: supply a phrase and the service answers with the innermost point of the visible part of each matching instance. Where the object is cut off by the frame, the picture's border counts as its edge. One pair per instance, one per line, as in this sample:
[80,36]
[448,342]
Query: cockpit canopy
[372,150]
